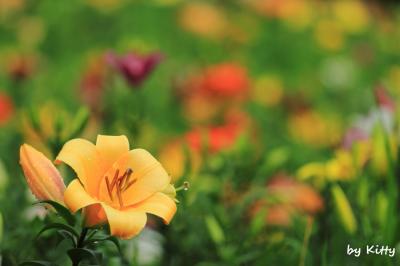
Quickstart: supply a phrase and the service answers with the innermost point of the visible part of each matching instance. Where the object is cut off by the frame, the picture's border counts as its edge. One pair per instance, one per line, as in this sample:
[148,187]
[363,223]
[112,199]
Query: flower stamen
[121,183]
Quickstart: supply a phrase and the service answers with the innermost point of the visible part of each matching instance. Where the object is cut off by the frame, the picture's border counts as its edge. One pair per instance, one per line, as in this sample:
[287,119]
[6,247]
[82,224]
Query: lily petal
[148,175]
[160,205]
[83,157]
[43,178]
[94,215]
[111,148]
[76,198]
[124,223]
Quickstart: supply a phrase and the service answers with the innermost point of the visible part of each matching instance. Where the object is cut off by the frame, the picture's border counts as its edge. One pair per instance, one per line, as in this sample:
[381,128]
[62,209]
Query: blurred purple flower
[134,67]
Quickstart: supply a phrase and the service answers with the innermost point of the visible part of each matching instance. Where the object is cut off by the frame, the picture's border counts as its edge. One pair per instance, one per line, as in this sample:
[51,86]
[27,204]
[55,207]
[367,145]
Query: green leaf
[79,122]
[215,230]
[1,227]
[36,263]
[59,226]
[102,239]
[4,177]
[79,254]
[67,235]
[62,211]
[34,119]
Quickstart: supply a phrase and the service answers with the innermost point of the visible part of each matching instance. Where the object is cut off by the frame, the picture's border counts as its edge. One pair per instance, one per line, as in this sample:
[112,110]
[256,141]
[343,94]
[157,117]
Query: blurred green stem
[307,234]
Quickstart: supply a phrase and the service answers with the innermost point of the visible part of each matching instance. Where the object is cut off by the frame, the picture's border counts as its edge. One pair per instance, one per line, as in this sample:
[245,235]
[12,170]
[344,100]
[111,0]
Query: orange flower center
[120,183]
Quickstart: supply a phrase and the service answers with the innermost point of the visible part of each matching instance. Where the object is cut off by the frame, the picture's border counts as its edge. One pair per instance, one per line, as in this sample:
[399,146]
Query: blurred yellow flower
[352,15]
[329,35]
[312,128]
[116,185]
[341,167]
[31,31]
[173,157]
[203,19]
[345,165]
[105,5]
[267,90]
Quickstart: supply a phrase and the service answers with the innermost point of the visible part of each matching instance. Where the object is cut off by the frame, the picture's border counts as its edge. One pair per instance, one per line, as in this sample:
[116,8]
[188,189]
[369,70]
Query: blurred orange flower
[286,198]
[116,185]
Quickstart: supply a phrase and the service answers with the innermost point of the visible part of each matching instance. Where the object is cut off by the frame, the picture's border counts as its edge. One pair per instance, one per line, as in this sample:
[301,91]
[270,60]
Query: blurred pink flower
[135,68]
[362,128]
[353,135]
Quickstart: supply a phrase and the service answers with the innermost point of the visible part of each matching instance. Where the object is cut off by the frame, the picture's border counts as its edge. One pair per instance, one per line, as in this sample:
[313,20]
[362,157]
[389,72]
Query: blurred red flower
[209,93]
[226,80]
[6,108]
[135,68]
[216,138]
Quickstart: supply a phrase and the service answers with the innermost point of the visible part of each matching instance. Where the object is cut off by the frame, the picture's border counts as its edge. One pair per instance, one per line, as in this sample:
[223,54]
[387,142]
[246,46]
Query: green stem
[82,237]
[80,242]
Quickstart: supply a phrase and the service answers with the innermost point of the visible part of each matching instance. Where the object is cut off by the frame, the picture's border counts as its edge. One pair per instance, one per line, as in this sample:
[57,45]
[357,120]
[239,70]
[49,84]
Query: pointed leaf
[102,239]
[67,235]
[60,226]
[79,254]
[62,211]
[37,263]
[215,230]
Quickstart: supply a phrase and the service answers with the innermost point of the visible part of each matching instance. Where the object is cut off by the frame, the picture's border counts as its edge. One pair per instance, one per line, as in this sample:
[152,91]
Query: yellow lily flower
[116,185]
[42,177]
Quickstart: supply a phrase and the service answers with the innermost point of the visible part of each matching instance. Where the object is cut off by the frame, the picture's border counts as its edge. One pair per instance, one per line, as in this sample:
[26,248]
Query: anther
[108,188]
[130,184]
[121,204]
[121,183]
